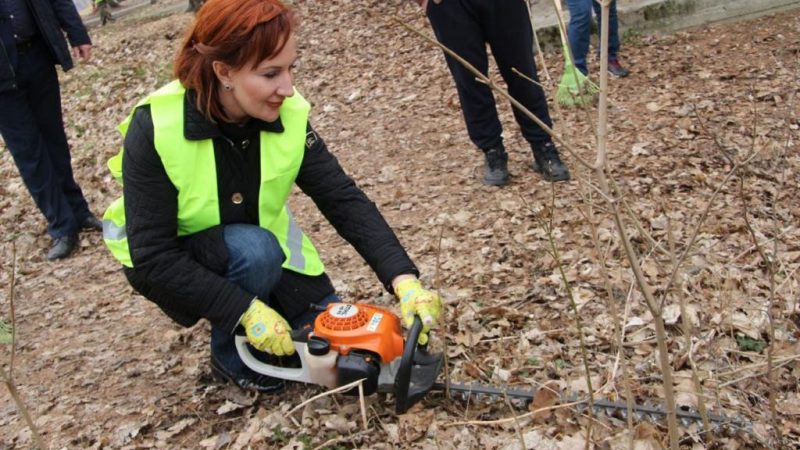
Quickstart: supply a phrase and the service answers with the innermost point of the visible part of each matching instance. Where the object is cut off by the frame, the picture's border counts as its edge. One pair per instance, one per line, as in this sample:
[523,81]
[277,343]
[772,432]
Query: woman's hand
[417,301]
[266,330]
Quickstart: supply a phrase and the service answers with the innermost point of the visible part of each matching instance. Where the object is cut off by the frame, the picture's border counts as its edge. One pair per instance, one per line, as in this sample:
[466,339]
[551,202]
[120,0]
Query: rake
[575,88]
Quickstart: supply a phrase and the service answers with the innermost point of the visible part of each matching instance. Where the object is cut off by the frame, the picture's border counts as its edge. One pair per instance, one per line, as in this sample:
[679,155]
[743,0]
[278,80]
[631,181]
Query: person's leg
[457,26]
[613,29]
[105,13]
[254,263]
[24,138]
[579,31]
[509,33]
[45,102]
[614,66]
[511,38]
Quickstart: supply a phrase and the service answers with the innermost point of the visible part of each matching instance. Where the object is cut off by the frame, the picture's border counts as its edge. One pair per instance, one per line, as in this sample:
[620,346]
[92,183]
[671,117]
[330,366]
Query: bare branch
[8,376]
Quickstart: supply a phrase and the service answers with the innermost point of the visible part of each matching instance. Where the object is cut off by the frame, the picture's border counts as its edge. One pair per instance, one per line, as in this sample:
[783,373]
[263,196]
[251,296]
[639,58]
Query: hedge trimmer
[351,342]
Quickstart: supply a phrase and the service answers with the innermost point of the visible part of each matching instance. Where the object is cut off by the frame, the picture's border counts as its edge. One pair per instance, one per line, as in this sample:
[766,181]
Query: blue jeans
[580,29]
[254,263]
[33,130]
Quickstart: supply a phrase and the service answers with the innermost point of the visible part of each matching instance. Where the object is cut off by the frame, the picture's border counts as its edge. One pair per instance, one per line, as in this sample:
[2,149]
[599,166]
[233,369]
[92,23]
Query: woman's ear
[222,71]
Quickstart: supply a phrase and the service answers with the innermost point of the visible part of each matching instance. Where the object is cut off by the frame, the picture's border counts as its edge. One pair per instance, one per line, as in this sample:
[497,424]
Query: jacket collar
[197,127]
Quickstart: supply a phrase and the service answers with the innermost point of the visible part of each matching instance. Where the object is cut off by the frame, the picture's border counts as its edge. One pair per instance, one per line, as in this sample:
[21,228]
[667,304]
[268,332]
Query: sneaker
[495,167]
[249,382]
[616,69]
[547,162]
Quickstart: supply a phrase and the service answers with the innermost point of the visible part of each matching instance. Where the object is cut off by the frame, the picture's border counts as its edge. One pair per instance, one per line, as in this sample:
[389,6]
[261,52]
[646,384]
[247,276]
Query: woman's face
[259,91]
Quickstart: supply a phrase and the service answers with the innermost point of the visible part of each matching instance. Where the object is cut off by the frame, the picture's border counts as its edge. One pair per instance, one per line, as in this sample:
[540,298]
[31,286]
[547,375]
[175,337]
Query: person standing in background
[31,44]
[579,33]
[465,27]
[104,8]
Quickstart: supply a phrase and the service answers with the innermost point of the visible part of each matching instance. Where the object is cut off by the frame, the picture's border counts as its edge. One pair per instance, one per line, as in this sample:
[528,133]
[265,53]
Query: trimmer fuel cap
[318,345]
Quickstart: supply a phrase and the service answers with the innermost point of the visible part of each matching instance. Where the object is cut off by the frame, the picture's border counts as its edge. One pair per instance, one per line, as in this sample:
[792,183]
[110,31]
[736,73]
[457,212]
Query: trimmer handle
[299,337]
[402,381]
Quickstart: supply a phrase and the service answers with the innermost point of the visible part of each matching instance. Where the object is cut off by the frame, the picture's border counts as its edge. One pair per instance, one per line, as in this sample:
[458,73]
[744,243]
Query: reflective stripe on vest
[187,161]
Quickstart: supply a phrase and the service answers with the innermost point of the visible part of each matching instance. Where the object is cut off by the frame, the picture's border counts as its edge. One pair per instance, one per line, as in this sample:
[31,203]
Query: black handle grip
[403,379]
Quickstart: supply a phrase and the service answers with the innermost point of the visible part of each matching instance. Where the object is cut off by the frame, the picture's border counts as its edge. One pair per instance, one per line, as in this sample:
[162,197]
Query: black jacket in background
[185,277]
[51,17]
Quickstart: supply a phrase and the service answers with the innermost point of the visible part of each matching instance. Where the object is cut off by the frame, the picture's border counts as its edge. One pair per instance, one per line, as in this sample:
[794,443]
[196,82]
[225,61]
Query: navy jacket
[51,17]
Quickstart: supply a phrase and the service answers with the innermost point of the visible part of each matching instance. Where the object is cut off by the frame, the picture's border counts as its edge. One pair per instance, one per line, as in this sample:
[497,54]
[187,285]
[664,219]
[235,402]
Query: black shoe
[547,162]
[92,223]
[495,167]
[62,247]
[616,69]
[251,382]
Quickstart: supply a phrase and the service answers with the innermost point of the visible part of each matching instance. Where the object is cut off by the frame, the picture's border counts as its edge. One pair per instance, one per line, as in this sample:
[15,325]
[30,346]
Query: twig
[704,216]
[436,281]
[753,247]
[326,393]
[686,324]
[633,259]
[548,227]
[786,279]
[504,338]
[516,422]
[8,377]
[338,439]
[777,365]
[363,405]
[526,78]
[757,365]
[636,222]
[770,267]
[619,329]
[382,424]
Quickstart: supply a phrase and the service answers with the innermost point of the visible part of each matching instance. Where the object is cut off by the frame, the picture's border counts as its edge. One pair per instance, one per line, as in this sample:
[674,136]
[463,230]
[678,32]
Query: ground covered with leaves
[703,146]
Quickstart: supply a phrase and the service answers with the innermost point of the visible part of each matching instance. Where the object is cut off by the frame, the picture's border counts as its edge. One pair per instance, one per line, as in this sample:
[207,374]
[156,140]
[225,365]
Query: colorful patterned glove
[266,330]
[416,301]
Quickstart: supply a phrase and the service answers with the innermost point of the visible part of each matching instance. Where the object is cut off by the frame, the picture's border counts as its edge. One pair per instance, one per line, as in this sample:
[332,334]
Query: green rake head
[575,88]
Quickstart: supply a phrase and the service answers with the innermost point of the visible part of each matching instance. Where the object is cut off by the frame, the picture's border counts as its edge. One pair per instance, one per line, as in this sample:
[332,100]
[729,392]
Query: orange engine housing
[361,327]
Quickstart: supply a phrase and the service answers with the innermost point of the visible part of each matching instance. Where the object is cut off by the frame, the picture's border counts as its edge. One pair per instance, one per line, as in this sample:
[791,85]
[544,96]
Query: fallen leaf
[228,406]
[414,424]
[671,314]
[545,396]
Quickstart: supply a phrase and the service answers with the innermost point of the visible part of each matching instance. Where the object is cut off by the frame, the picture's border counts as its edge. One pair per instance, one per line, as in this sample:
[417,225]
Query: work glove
[266,330]
[417,301]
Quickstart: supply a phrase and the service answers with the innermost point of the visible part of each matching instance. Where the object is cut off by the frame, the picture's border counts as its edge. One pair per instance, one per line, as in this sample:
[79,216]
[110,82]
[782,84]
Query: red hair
[236,33]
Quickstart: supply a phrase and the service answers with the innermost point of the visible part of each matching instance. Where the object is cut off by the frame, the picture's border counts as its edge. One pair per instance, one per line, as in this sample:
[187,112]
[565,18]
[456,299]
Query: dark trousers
[465,27]
[33,130]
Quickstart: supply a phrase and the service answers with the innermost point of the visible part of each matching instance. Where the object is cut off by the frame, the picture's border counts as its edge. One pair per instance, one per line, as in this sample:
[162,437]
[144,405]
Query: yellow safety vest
[191,167]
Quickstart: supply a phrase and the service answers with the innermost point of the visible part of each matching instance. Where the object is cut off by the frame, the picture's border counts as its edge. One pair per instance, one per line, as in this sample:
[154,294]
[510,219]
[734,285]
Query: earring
[227,87]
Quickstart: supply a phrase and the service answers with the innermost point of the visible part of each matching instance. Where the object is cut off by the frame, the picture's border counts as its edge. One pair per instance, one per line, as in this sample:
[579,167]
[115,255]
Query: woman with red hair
[207,166]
